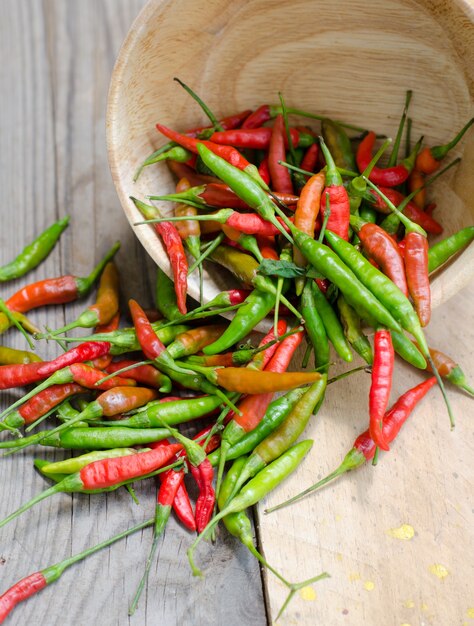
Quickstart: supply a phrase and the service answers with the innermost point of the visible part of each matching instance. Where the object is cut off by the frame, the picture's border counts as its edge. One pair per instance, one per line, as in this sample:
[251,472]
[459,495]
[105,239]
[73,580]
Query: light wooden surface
[57,60]
[60,56]
[353,67]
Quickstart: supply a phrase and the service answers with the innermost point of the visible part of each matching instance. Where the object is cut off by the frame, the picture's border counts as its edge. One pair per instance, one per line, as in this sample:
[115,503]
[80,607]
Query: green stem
[84,285]
[209,250]
[14,322]
[153,158]
[327,214]
[396,146]
[314,116]
[284,113]
[202,104]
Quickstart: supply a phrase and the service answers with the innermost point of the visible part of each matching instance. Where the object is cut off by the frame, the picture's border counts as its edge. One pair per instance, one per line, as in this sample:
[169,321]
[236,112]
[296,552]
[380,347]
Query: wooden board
[54,86]
[58,57]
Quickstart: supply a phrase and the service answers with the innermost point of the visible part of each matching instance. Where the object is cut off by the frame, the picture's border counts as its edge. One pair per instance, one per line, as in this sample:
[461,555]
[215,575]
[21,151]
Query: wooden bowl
[348,60]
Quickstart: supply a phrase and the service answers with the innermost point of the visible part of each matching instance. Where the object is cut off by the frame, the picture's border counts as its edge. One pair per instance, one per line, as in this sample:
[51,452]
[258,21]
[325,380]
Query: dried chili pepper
[364,447]
[34,253]
[174,248]
[381,385]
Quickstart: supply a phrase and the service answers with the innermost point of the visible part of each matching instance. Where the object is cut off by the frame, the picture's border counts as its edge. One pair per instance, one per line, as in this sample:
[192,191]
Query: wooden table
[57,59]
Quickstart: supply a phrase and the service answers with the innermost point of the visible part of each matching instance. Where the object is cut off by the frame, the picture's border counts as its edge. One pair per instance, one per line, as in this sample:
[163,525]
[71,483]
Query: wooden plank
[349,528]
[53,161]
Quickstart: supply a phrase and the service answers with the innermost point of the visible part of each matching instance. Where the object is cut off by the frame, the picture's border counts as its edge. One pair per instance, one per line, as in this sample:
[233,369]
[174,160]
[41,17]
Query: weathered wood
[57,60]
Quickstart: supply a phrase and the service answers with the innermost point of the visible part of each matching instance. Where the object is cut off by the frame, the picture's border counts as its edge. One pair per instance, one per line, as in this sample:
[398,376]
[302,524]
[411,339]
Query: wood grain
[53,161]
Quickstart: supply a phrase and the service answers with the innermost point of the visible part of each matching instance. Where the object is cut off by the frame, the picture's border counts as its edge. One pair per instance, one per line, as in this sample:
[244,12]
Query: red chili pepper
[417,181]
[22,590]
[203,475]
[310,159]
[323,284]
[102,362]
[229,154]
[254,138]
[429,159]
[280,175]
[339,204]
[174,248]
[385,252]
[264,170]
[258,117]
[143,374]
[429,208]
[390,176]
[86,351]
[416,265]
[19,374]
[363,449]
[413,212]
[401,247]
[149,341]
[267,247]
[227,123]
[382,371]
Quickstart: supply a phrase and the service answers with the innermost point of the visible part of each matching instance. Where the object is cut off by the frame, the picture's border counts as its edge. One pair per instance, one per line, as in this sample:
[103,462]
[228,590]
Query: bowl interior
[349,61]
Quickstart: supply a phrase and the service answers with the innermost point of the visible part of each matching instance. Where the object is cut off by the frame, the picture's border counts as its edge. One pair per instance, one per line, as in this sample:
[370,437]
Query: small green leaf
[285,269]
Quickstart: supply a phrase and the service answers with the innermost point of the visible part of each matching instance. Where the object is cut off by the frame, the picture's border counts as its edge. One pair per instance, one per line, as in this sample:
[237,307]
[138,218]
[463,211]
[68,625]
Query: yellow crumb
[438,570]
[405,532]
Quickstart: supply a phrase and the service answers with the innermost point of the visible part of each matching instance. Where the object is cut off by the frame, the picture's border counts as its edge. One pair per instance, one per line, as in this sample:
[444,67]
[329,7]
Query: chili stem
[209,250]
[327,215]
[284,113]
[14,322]
[392,160]
[203,105]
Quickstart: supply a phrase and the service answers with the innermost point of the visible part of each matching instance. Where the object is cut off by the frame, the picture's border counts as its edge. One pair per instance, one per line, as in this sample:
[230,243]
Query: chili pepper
[278,442]
[403,347]
[238,525]
[40,404]
[380,247]
[227,153]
[429,208]
[243,185]
[315,328]
[10,356]
[364,447]
[280,176]
[264,171]
[446,248]
[75,464]
[166,296]
[306,214]
[182,506]
[310,159]
[354,335]
[379,395]
[258,117]
[103,474]
[174,248]
[144,374]
[258,138]
[33,583]
[19,375]
[254,407]
[338,144]
[248,223]
[194,340]
[57,290]
[338,221]
[416,265]
[389,176]
[332,325]
[79,373]
[416,181]
[450,370]
[104,361]
[189,230]
[428,161]
[150,343]
[368,214]
[267,247]
[35,252]
[256,489]
[410,210]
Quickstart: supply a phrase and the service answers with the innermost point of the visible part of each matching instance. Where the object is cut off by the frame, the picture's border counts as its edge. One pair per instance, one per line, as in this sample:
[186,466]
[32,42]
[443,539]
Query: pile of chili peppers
[320,236]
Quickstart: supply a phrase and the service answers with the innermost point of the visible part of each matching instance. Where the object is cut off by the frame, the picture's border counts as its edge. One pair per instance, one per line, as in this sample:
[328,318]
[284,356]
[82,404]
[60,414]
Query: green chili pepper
[339,144]
[244,186]
[34,253]
[256,307]
[166,296]
[238,525]
[91,438]
[443,250]
[351,323]
[331,324]
[285,435]
[40,464]
[315,328]
[257,488]
[404,348]
[9,356]
[368,213]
